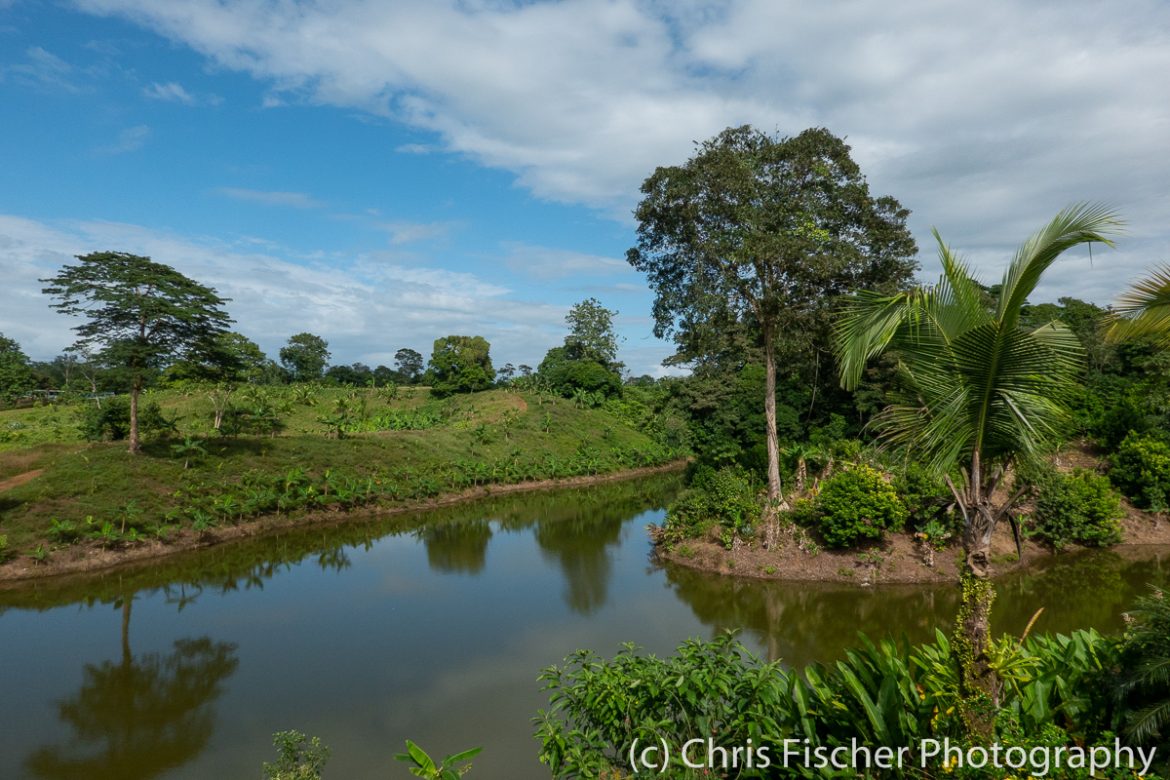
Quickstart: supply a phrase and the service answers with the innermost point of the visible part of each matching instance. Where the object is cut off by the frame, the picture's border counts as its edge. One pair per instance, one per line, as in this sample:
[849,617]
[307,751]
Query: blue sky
[385,173]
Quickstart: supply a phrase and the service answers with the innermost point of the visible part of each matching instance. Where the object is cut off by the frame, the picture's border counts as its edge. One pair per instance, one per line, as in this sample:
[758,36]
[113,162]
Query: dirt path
[20,479]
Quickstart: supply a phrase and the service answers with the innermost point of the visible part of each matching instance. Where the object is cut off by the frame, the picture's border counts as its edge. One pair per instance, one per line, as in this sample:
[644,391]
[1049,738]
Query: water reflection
[140,716]
[457,547]
[802,622]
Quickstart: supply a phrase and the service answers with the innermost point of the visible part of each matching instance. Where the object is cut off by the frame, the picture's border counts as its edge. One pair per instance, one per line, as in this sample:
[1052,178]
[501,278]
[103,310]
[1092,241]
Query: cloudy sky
[384,172]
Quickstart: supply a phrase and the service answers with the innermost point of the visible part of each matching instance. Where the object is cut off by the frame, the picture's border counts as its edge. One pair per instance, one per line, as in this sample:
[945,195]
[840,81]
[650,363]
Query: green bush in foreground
[857,504]
[111,420]
[1055,693]
[1078,508]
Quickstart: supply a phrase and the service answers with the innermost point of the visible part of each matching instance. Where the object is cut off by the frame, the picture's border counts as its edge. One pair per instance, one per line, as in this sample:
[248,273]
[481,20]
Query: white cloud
[983,118]
[296,200]
[403,232]
[171,92]
[129,140]
[540,262]
[42,70]
[364,306]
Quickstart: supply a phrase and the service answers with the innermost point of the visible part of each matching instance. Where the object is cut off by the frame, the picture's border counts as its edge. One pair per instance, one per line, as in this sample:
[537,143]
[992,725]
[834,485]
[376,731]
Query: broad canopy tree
[984,391]
[762,233]
[461,364]
[305,356]
[140,315]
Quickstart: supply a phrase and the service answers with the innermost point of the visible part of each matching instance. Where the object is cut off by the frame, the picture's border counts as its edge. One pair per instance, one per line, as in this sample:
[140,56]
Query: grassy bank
[332,451]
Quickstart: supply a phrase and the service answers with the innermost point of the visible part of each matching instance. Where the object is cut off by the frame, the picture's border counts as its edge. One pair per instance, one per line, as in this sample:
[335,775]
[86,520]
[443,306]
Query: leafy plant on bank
[298,757]
[857,504]
[452,767]
[725,500]
[1141,470]
[1077,508]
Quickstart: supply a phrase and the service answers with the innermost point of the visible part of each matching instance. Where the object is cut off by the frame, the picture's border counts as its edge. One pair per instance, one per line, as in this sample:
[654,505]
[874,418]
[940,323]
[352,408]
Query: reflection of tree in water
[458,546]
[140,716]
[577,539]
[801,622]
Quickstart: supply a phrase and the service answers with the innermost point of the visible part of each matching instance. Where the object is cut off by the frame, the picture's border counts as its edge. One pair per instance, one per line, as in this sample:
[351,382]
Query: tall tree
[409,364]
[461,364]
[305,356]
[140,315]
[765,232]
[16,376]
[984,392]
[591,335]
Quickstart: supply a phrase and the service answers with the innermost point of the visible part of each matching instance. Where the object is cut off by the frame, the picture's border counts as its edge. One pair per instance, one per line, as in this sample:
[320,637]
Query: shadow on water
[800,622]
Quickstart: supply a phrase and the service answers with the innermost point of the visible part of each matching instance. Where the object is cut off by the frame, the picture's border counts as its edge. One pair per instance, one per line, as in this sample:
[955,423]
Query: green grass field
[394,448]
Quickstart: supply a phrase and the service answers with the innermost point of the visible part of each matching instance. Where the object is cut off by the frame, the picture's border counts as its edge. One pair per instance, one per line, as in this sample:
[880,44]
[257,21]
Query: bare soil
[20,479]
[92,556]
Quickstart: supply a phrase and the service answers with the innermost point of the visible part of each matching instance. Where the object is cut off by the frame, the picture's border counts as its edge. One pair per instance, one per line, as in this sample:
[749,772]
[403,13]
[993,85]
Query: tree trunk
[773,441]
[979,684]
[134,390]
[771,514]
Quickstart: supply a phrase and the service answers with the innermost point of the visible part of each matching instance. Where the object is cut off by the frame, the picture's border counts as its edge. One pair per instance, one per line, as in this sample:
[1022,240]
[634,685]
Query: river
[429,627]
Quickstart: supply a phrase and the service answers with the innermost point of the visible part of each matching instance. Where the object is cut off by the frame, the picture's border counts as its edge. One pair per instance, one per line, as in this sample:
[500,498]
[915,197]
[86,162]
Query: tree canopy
[305,356]
[762,233]
[139,315]
[16,377]
[461,364]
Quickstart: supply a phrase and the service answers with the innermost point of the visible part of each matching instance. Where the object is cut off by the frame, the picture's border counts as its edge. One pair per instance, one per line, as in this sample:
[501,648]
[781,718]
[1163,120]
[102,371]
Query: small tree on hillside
[16,377]
[591,335]
[305,356]
[139,314]
[461,364]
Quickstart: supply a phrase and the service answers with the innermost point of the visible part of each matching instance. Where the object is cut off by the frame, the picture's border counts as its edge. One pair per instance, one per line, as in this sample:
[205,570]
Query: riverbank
[84,559]
[898,559]
[72,507]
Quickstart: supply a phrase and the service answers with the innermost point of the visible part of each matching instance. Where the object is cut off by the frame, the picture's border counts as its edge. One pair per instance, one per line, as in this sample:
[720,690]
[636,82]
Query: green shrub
[1078,508]
[727,498]
[858,504]
[878,694]
[298,757]
[1144,691]
[1141,470]
[925,496]
[111,420]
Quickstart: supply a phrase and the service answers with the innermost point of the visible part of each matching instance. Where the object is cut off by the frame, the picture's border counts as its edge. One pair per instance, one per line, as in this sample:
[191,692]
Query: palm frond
[1078,224]
[1143,310]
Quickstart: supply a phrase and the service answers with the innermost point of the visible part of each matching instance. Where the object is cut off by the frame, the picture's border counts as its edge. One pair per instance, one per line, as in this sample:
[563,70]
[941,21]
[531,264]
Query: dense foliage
[725,501]
[857,504]
[1078,508]
[1141,469]
[460,364]
[1056,692]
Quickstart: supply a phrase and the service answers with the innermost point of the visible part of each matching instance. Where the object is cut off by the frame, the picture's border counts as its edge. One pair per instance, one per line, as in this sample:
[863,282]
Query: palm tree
[982,393]
[1143,310]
